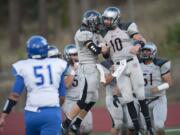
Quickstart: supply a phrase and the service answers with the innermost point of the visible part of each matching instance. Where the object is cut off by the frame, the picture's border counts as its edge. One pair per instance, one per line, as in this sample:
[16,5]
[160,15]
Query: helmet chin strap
[76,60]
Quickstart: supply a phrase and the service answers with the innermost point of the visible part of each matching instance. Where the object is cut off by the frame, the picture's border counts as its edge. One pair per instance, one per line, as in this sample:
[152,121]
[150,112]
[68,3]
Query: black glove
[116,101]
[139,42]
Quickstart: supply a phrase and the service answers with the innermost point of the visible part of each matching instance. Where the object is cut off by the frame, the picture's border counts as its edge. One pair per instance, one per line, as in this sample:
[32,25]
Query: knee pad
[88,106]
[86,129]
[159,125]
[118,124]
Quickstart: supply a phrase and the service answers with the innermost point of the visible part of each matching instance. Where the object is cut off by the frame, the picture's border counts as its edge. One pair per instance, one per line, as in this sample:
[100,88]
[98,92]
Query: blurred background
[58,20]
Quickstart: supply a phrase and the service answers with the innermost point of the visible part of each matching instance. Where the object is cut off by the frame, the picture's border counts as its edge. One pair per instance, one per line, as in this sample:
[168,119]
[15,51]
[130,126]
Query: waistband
[38,109]
[128,60]
[148,101]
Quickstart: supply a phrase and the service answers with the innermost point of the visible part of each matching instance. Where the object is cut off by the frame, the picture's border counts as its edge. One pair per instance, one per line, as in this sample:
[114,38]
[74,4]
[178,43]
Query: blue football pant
[46,121]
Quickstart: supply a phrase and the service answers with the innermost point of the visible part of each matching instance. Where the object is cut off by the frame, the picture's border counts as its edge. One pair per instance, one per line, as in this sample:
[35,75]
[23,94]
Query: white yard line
[173,130]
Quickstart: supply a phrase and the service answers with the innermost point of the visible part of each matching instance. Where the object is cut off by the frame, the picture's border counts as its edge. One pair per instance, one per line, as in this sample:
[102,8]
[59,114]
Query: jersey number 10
[41,76]
[116,44]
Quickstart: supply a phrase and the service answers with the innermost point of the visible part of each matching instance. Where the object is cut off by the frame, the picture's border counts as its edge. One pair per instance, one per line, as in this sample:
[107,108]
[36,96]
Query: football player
[118,37]
[53,52]
[157,77]
[74,88]
[86,39]
[113,101]
[115,104]
[43,79]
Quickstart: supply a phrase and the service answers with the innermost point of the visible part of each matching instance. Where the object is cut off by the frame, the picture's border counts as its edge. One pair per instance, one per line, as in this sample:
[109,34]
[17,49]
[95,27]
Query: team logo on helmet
[37,47]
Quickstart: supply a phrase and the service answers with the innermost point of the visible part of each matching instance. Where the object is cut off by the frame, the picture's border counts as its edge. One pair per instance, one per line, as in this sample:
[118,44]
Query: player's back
[42,79]
[120,41]
[85,55]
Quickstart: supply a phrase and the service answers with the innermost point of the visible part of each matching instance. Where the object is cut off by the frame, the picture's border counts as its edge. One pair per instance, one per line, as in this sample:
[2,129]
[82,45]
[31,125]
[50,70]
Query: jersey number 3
[41,76]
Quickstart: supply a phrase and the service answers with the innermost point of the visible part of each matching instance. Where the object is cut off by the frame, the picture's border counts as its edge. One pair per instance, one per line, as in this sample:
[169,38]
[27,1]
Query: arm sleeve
[62,87]
[84,36]
[67,70]
[165,68]
[18,85]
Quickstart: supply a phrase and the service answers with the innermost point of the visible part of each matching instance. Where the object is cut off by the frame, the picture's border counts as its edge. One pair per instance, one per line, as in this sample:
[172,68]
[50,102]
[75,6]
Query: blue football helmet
[37,47]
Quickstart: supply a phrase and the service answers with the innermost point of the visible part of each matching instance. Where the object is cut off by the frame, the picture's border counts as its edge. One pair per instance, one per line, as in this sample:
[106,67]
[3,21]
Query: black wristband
[9,105]
[93,47]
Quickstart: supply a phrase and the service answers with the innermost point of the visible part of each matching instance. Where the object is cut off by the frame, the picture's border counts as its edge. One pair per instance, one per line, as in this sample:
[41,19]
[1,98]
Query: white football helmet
[149,51]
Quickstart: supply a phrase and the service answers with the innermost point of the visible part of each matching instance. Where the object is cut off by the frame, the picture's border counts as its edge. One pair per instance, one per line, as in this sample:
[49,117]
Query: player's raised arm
[134,33]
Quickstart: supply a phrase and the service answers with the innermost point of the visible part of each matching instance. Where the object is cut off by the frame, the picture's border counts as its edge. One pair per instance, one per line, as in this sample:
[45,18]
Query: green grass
[168,132]
[173,133]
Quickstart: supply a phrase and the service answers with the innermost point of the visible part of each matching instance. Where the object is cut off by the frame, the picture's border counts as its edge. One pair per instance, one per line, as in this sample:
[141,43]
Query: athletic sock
[78,121]
[66,123]
[145,111]
[134,116]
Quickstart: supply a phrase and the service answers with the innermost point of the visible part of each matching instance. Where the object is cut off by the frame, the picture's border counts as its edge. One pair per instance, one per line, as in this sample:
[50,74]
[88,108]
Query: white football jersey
[153,75]
[119,40]
[41,78]
[74,92]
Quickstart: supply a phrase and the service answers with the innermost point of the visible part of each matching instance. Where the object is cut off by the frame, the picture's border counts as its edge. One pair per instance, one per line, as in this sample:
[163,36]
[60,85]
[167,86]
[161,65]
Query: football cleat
[75,129]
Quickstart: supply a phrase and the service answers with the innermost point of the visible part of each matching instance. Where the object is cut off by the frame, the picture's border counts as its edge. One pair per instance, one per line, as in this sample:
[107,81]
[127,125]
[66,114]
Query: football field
[175,131]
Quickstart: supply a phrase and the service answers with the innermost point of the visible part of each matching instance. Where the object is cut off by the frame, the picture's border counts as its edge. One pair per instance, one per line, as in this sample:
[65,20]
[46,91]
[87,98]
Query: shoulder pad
[18,66]
[84,36]
[124,25]
[160,61]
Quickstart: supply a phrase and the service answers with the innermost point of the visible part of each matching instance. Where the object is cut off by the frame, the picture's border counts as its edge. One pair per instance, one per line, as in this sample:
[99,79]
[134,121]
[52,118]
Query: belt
[148,101]
[128,60]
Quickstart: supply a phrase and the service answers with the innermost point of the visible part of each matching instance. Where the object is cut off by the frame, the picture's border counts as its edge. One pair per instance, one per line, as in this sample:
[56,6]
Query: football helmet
[37,47]
[111,17]
[70,50]
[149,51]
[53,52]
[93,20]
